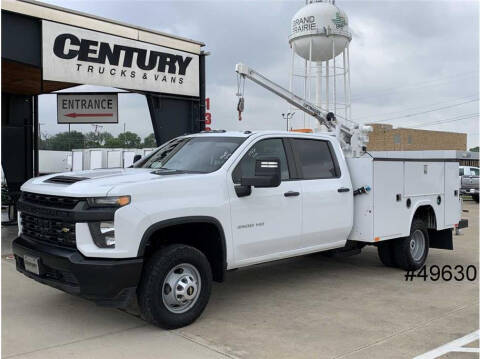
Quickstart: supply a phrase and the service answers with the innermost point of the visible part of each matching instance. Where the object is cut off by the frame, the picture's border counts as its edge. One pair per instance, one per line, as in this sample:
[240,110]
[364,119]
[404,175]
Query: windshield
[193,154]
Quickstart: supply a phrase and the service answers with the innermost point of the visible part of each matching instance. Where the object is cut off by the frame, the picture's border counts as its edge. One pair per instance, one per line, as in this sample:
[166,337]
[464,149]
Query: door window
[316,159]
[473,171]
[264,148]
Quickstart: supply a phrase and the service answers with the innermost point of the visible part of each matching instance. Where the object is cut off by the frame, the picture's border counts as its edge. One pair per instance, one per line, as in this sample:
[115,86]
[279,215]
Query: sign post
[87,108]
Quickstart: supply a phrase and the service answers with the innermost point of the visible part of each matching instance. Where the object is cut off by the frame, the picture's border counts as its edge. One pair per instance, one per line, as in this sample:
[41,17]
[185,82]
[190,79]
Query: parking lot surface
[305,307]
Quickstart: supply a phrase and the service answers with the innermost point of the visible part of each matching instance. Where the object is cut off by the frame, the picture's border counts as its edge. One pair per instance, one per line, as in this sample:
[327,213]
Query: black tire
[385,253]
[150,299]
[402,251]
[475,197]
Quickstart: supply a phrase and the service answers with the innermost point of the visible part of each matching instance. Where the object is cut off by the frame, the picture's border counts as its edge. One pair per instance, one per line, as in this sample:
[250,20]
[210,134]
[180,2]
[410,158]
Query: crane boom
[352,140]
[291,98]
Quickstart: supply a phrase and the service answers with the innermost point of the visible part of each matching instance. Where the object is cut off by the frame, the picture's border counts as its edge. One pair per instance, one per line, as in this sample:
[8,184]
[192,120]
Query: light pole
[39,129]
[288,116]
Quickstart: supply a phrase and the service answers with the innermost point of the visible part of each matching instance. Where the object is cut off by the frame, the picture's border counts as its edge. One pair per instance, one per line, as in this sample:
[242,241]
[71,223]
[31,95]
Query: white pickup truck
[203,204]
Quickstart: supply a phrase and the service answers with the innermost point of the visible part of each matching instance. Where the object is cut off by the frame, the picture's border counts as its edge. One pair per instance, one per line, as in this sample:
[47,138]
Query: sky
[413,63]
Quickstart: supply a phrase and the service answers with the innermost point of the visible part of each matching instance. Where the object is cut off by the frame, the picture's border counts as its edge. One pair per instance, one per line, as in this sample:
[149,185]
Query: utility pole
[97,127]
[288,116]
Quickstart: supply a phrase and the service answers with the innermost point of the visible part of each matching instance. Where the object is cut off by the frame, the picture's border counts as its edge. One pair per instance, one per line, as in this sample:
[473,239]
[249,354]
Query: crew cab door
[327,198]
[267,223]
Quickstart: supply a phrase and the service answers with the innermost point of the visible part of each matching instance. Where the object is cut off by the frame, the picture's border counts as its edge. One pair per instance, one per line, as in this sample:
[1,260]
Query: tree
[104,137]
[150,141]
[474,149]
[97,139]
[64,141]
[129,139]
[92,140]
[43,142]
[113,142]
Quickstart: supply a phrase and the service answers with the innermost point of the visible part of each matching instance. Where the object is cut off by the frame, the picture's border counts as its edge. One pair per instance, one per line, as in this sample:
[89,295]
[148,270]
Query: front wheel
[175,286]
[410,253]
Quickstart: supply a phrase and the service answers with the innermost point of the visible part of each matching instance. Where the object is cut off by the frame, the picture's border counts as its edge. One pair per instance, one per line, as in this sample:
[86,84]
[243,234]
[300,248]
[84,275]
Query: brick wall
[386,138]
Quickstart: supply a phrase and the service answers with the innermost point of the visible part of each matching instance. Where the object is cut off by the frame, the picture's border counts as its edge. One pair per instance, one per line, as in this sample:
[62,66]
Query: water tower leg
[334,79]
[310,78]
[305,90]
[292,66]
[348,83]
[345,84]
[327,80]
[318,87]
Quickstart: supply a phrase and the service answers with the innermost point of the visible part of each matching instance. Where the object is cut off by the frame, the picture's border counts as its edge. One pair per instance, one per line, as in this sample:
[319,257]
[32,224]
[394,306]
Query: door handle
[343,189]
[291,194]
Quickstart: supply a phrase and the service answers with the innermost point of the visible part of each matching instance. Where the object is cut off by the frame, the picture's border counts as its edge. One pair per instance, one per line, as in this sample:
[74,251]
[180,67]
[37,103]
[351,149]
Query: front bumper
[108,282]
[469,191]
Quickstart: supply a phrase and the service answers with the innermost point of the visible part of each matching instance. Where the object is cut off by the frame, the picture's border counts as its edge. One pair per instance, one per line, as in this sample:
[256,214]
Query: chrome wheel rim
[181,288]
[417,245]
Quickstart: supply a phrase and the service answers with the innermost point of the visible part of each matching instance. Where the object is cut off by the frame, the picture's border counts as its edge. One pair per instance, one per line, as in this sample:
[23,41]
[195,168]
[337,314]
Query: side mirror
[267,173]
[137,158]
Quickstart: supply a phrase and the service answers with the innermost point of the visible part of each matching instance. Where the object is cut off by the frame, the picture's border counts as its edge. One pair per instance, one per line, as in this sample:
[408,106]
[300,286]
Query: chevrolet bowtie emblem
[65,229]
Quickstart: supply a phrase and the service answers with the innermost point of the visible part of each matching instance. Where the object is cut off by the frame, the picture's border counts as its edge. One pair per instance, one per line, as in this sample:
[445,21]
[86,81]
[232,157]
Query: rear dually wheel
[410,253]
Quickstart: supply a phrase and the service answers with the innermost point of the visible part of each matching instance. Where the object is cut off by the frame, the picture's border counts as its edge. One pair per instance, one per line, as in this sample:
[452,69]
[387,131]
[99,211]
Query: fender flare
[423,203]
[184,220]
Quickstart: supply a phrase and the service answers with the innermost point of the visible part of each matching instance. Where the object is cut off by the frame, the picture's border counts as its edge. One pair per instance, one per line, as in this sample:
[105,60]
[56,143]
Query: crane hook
[240,92]
[240,107]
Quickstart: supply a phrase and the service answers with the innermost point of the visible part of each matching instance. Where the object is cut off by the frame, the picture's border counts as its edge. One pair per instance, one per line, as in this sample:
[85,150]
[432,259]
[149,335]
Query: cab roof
[224,133]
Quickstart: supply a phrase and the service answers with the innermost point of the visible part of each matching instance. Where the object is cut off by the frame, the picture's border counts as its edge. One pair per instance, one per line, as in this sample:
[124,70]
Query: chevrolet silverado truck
[469,181]
[203,204]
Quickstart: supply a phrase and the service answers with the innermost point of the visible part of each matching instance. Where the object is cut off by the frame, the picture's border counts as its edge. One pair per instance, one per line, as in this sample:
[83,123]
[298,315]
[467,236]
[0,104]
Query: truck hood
[93,183]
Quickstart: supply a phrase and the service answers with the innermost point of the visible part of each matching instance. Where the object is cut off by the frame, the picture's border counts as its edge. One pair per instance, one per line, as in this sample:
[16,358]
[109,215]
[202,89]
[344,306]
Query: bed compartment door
[452,194]
[390,213]
[425,181]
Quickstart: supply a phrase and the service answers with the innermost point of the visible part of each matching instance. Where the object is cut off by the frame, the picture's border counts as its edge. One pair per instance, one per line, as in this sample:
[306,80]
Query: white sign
[87,108]
[72,54]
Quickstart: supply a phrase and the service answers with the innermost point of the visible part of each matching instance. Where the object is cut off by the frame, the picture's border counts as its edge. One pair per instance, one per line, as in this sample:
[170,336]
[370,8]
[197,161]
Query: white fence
[87,159]
[54,161]
[92,158]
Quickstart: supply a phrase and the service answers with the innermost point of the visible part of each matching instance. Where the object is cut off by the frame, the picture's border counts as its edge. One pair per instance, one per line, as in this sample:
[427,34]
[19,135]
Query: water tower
[320,37]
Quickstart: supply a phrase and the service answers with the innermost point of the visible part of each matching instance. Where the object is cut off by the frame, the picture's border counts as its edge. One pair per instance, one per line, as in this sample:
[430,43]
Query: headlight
[114,201]
[103,234]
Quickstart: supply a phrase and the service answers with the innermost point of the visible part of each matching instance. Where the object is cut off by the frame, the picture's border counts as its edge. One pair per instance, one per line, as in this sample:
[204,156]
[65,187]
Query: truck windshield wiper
[163,171]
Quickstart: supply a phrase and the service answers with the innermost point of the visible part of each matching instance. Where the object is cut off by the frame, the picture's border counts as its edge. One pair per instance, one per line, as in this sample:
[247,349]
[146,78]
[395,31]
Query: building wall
[386,138]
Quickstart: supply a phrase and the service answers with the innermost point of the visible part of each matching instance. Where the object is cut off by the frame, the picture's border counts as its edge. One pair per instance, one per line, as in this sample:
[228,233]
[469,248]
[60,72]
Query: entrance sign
[72,54]
[87,108]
